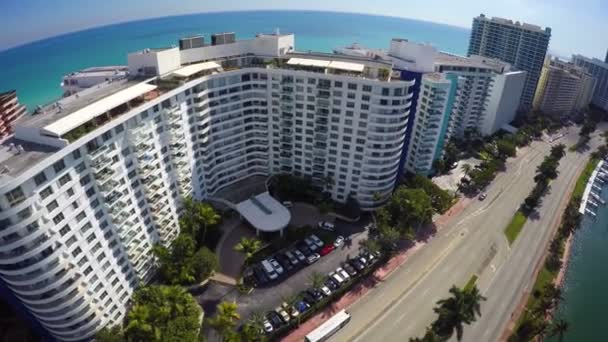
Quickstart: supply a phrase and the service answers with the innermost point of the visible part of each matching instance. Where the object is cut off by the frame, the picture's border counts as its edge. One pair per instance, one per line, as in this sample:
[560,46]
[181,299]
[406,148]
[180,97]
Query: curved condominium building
[90,184]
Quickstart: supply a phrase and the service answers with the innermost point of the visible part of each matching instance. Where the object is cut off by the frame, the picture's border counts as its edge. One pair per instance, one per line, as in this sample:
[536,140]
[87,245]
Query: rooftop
[509,22]
[70,105]
[192,69]
[16,156]
[444,58]
[264,213]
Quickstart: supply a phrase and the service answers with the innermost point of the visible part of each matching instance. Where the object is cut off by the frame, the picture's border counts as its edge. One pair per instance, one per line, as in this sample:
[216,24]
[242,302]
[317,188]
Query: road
[471,243]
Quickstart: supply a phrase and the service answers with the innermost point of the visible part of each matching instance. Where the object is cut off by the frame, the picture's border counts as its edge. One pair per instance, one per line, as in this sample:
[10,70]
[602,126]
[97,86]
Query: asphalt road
[471,243]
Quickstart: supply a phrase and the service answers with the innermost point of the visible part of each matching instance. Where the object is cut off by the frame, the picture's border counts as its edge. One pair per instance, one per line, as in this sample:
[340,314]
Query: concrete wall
[504,101]
[416,57]
[163,61]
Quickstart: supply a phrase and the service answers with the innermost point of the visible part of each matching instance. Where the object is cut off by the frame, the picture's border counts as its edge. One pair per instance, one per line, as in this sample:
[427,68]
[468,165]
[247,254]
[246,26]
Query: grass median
[515,226]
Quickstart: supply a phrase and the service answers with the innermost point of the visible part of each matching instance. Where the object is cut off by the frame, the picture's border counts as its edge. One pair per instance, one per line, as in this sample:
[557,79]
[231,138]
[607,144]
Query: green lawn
[513,229]
[471,282]
[581,183]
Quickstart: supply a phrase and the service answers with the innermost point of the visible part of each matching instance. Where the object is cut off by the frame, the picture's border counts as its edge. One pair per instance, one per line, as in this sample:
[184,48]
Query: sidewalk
[381,274]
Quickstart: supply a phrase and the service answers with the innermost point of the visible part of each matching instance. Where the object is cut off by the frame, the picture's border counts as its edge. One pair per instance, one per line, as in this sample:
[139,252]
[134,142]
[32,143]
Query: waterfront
[584,299]
[35,69]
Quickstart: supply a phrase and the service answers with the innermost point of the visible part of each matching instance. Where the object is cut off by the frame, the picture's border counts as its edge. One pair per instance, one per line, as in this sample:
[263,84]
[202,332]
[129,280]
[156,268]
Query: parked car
[311,244]
[308,297]
[276,266]
[301,257]
[331,284]
[303,248]
[362,260]
[312,258]
[316,240]
[337,277]
[287,204]
[343,274]
[259,275]
[317,294]
[339,241]
[291,310]
[282,313]
[482,196]
[357,264]
[269,269]
[327,249]
[267,326]
[292,258]
[325,289]
[301,306]
[326,226]
[275,319]
[349,269]
[284,262]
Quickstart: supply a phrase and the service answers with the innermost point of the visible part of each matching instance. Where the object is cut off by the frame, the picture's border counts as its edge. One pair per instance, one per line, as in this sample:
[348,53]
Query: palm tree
[248,247]
[370,245]
[224,320]
[316,279]
[558,151]
[466,168]
[139,324]
[252,330]
[457,310]
[208,217]
[559,328]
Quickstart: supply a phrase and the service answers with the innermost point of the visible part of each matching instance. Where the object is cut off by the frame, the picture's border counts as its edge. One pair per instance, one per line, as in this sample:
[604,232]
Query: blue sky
[578,26]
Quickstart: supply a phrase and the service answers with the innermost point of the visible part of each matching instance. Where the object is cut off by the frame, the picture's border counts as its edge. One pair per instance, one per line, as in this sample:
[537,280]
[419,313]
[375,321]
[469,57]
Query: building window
[64,179]
[76,154]
[40,178]
[58,166]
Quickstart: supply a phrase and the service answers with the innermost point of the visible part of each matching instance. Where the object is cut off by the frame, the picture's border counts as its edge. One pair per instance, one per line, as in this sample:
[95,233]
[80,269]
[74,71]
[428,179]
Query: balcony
[104,175]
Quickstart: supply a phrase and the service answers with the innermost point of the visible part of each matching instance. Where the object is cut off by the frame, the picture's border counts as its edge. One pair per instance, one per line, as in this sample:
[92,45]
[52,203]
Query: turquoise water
[35,70]
[585,295]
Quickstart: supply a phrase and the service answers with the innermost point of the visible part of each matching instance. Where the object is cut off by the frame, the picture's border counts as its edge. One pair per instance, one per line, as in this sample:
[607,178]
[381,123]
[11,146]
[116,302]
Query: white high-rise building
[88,186]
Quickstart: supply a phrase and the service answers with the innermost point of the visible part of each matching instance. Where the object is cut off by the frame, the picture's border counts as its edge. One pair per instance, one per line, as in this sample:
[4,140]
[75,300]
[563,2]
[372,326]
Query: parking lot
[266,298]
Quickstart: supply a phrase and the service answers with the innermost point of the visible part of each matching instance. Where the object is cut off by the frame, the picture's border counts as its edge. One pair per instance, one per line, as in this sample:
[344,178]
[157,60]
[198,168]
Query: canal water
[586,282]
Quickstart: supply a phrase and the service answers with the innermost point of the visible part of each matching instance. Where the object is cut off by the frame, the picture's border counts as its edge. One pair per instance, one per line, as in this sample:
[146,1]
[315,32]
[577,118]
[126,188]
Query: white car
[284,315]
[299,255]
[316,240]
[313,258]
[326,291]
[267,326]
[339,241]
[277,267]
[287,204]
[335,276]
[342,273]
[326,225]
[311,244]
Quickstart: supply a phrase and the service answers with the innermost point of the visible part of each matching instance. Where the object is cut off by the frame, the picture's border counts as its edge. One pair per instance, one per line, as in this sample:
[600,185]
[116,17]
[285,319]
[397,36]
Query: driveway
[265,299]
[230,260]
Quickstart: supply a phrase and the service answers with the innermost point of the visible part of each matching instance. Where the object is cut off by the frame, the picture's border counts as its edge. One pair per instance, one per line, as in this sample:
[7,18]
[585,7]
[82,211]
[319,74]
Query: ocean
[585,298]
[36,69]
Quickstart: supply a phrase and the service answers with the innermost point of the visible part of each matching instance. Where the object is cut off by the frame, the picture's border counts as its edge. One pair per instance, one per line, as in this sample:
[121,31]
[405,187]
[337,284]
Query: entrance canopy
[264,213]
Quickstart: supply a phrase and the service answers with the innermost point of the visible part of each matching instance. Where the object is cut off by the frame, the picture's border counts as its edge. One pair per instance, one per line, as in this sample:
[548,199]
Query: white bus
[329,327]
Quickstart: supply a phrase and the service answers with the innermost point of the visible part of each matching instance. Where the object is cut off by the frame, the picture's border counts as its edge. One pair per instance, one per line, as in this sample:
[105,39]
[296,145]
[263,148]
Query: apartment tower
[522,45]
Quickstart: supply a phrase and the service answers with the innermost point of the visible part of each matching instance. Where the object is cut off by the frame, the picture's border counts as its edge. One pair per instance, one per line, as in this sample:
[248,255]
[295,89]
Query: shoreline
[561,275]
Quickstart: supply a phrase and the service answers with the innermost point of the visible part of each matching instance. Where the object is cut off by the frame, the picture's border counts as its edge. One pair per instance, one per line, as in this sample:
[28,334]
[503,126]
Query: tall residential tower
[522,45]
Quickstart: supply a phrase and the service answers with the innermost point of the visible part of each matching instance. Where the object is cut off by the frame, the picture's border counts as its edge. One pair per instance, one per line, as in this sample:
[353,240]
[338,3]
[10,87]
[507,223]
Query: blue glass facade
[407,75]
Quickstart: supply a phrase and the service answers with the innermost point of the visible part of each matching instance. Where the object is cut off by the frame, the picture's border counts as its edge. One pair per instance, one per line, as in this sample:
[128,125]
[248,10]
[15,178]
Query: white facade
[83,201]
[90,77]
[503,102]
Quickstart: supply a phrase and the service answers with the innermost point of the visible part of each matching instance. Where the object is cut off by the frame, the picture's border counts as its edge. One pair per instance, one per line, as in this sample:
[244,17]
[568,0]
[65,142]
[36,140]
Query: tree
[316,279]
[466,168]
[197,218]
[225,319]
[253,328]
[389,236]
[248,247]
[461,308]
[182,264]
[558,151]
[113,334]
[559,329]
[163,313]
[370,245]
[405,209]
[441,200]
[506,148]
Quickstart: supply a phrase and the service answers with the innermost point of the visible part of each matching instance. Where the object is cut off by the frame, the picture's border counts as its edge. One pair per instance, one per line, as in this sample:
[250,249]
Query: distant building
[599,70]
[522,45]
[563,88]
[87,78]
[10,110]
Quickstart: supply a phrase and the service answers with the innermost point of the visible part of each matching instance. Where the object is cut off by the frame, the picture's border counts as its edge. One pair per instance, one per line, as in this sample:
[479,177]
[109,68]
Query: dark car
[260,276]
[284,261]
[301,306]
[358,265]
[350,270]
[303,247]
[318,295]
[332,284]
[308,297]
[275,319]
